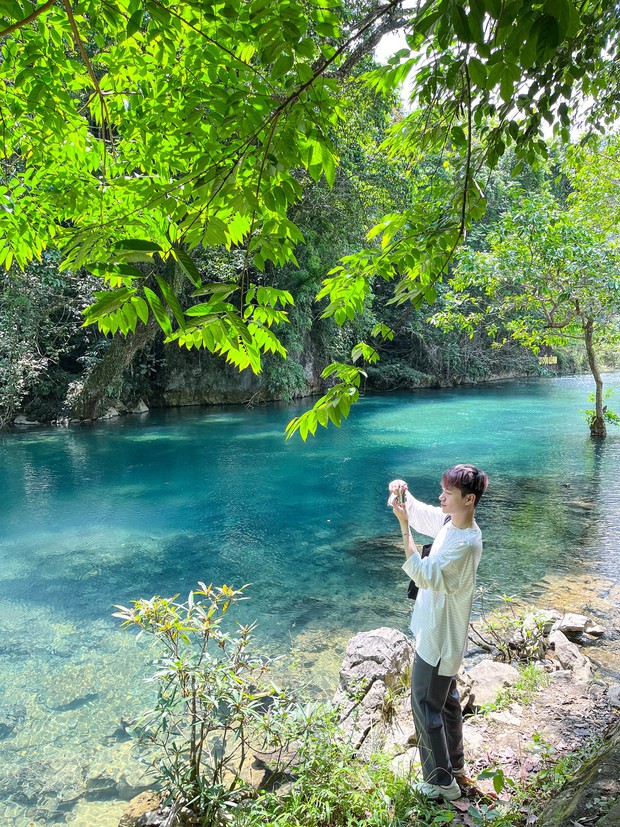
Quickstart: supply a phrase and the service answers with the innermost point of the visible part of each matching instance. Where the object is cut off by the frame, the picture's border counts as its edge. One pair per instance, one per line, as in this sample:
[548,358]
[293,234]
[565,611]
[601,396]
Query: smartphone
[401,496]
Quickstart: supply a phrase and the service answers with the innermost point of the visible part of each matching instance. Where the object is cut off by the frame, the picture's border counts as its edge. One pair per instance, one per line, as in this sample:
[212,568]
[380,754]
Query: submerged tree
[134,131]
[546,279]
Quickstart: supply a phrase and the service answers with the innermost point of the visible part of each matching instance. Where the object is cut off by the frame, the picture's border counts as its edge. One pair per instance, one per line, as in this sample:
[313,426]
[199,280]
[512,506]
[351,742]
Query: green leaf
[460,22]
[215,233]
[171,299]
[187,264]
[107,302]
[105,269]
[158,311]
[137,245]
[478,72]
[141,307]
[134,24]
[282,65]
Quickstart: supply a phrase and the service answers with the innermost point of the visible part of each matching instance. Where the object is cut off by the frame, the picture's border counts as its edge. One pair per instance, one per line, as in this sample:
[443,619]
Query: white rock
[488,679]
[111,413]
[571,622]
[140,408]
[505,718]
[570,657]
[405,764]
[561,673]
[22,420]
[594,629]
[473,739]
[373,668]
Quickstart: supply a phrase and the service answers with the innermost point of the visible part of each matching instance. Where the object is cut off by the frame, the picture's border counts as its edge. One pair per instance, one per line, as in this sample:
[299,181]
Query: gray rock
[374,674]
[140,810]
[570,657]
[464,684]
[23,420]
[594,629]
[613,695]
[488,679]
[140,408]
[571,622]
[111,413]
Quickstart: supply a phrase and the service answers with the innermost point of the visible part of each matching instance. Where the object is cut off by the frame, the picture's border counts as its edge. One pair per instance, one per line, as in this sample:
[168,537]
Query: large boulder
[374,674]
[576,624]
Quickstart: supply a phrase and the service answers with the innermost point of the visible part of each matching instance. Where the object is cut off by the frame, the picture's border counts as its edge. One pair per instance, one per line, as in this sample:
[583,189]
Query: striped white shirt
[447,581]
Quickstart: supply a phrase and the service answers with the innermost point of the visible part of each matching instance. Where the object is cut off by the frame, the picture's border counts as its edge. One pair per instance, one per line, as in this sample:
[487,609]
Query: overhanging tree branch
[32,16]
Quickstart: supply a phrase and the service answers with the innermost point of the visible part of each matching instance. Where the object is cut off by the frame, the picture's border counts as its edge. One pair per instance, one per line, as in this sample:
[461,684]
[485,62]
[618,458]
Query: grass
[531,679]
[333,788]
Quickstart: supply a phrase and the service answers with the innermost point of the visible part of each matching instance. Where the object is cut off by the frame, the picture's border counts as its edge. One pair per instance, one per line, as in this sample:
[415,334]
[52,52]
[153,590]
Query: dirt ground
[562,717]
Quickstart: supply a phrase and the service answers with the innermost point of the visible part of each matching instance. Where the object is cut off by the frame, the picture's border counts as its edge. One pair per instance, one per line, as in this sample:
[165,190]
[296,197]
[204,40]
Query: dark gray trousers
[438,722]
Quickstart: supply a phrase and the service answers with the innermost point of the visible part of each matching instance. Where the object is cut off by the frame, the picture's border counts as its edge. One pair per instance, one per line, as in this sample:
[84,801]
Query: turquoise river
[96,515]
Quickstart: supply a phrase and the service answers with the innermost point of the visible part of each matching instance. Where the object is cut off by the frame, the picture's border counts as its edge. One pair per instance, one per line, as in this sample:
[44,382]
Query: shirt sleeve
[423,518]
[441,572]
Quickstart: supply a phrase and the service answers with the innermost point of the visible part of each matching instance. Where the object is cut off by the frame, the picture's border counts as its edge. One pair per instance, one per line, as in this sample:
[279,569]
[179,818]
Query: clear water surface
[98,515]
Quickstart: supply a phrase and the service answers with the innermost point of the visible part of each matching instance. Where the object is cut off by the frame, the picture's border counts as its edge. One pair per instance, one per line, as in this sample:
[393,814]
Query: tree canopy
[133,132]
[546,279]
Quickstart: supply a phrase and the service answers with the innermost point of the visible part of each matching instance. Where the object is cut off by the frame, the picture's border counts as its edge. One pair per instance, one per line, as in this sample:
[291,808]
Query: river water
[98,515]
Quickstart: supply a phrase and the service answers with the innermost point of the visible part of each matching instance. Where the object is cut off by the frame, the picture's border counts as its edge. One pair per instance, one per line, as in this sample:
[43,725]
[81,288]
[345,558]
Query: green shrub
[210,709]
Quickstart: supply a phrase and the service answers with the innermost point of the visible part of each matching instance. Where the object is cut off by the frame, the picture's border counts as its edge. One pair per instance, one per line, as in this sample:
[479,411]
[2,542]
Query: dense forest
[53,368]
[337,237]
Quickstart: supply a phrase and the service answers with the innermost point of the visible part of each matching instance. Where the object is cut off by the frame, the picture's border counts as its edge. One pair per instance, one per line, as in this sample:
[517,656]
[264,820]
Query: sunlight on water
[99,515]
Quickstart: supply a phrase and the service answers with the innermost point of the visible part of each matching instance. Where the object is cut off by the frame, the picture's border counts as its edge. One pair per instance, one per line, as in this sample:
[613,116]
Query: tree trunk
[100,388]
[597,422]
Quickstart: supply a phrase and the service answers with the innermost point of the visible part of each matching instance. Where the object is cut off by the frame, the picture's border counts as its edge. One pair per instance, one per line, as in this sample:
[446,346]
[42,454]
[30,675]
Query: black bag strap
[413,588]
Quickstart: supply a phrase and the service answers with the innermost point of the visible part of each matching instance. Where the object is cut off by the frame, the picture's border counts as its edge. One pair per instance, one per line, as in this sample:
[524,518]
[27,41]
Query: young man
[440,620]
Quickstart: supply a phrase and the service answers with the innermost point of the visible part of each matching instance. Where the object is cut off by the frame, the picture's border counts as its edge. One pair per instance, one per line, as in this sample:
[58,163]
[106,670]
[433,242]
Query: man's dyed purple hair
[467,478]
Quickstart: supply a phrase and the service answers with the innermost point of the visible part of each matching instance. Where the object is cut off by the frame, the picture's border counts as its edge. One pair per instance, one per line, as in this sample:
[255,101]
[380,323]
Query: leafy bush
[210,709]
[334,788]
[510,633]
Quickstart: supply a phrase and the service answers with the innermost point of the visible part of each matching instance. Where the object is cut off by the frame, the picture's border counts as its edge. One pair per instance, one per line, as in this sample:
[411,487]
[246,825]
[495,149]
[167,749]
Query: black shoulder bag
[413,588]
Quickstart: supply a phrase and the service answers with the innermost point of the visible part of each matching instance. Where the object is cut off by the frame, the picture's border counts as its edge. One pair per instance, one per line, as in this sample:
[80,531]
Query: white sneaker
[435,791]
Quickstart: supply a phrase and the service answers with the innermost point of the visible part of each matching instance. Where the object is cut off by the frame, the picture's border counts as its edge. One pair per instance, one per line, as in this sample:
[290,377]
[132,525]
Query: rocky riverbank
[571,705]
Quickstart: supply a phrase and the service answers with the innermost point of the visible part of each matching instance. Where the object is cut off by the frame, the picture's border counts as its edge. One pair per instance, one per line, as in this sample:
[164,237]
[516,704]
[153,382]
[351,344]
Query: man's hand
[395,488]
[398,489]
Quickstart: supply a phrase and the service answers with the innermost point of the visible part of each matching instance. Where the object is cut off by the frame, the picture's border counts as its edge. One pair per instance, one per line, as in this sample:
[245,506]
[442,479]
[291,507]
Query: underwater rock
[117,775]
[75,687]
[10,719]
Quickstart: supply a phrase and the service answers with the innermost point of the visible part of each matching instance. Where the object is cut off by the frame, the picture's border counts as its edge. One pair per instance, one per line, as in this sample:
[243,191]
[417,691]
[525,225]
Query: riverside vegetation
[218,711]
[243,180]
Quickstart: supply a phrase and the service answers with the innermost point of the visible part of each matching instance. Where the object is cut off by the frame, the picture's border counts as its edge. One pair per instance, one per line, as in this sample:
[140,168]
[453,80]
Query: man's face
[455,502]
